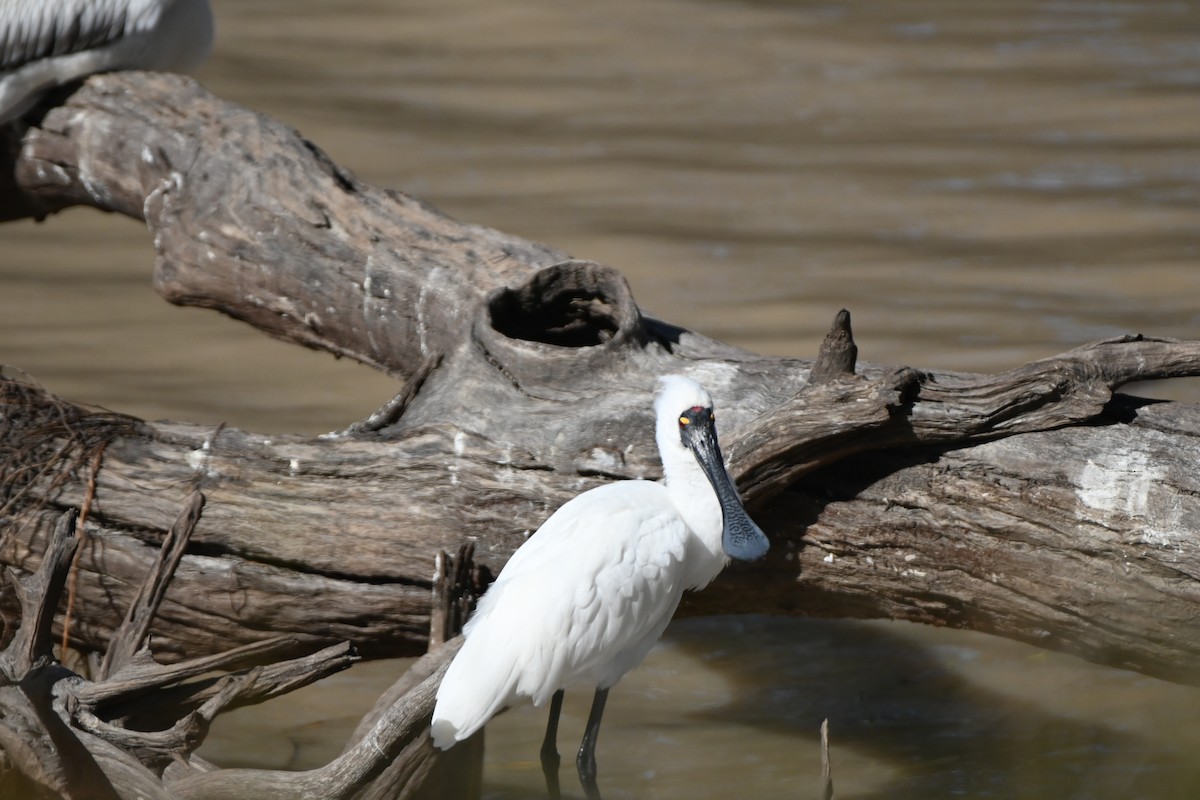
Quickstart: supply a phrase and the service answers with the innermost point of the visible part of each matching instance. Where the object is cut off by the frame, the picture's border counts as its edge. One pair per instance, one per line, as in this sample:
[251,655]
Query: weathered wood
[131,634]
[347,774]
[37,596]
[838,354]
[161,148]
[456,585]
[541,389]
[908,408]
[390,754]
[439,472]
[1091,531]
[42,745]
[423,773]
[142,675]
[826,765]
[37,740]
[1034,504]
[76,738]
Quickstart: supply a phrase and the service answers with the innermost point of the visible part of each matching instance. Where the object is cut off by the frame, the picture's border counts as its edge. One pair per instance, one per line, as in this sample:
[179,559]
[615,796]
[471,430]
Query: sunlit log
[1034,504]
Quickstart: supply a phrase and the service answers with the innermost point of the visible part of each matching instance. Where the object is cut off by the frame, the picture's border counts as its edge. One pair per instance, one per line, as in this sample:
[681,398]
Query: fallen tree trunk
[1033,504]
[130,730]
[331,538]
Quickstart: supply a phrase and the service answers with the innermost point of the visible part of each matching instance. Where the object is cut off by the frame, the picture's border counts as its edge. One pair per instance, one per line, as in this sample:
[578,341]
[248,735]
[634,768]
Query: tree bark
[1034,504]
[130,731]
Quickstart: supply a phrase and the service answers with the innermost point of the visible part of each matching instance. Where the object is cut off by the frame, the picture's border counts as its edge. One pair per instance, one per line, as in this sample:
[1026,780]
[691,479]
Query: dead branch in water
[133,729]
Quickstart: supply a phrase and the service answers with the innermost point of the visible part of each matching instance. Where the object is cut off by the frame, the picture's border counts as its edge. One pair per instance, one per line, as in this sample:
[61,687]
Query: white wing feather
[33,29]
[45,43]
[581,602]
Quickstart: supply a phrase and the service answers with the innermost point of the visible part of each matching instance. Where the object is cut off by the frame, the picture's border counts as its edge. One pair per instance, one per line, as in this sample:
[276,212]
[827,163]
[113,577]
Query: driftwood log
[130,729]
[1035,504]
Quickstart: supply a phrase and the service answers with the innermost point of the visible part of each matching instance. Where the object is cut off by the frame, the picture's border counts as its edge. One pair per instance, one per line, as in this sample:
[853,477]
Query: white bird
[46,43]
[585,598]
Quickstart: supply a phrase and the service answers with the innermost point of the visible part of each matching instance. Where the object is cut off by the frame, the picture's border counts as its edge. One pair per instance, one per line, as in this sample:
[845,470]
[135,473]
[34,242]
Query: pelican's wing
[34,29]
[46,43]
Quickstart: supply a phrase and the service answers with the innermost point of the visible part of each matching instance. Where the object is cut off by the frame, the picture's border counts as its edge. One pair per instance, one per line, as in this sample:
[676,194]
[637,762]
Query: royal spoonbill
[46,43]
[584,599]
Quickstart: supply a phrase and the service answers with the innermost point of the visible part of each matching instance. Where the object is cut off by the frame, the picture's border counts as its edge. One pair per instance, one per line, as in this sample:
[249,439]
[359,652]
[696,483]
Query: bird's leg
[550,759]
[586,761]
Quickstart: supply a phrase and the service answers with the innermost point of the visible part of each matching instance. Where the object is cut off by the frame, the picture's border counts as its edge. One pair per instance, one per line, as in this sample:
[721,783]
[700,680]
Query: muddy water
[980,184]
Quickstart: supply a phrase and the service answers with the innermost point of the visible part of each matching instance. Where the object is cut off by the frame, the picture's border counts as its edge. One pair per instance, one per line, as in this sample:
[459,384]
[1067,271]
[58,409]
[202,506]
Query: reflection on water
[980,184]
[731,707]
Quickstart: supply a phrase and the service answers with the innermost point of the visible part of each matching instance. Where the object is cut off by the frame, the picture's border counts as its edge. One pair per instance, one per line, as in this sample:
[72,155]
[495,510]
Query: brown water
[980,184]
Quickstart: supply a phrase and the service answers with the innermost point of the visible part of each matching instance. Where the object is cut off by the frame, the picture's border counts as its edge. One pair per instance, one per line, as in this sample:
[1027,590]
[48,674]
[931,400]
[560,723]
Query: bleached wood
[1035,504]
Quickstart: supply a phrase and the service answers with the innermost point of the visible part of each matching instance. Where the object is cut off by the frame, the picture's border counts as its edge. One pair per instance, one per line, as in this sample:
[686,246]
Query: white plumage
[582,609]
[46,43]
[586,597]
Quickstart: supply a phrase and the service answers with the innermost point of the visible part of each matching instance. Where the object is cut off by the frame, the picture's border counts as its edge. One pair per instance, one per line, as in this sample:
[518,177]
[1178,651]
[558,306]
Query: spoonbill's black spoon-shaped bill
[46,43]
[584,599]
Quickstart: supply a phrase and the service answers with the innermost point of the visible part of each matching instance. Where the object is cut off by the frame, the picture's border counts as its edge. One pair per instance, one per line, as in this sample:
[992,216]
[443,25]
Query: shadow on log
[1035,504]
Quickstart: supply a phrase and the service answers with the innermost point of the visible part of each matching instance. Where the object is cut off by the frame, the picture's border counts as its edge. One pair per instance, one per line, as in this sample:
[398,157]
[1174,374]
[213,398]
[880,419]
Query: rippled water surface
[980,184]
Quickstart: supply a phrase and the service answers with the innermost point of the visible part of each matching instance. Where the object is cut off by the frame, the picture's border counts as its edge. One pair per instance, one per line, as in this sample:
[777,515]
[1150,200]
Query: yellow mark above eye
[684,421]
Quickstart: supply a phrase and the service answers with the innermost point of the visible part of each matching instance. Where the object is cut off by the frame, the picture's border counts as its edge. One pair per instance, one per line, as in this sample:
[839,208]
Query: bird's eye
[684,421]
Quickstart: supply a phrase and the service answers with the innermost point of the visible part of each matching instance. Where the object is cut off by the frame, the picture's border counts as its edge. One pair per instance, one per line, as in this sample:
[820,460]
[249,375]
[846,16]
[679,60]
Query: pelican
[584,599]
[46,43]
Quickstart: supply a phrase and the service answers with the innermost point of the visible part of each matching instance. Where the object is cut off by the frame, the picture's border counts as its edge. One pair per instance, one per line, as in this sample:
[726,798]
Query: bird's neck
[698,506]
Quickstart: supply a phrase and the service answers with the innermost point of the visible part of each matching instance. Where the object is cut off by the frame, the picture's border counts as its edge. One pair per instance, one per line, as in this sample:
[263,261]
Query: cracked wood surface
[947,498]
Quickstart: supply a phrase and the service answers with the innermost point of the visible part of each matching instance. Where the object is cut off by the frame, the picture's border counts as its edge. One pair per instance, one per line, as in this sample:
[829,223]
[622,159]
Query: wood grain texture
[1035,504]
[536,375]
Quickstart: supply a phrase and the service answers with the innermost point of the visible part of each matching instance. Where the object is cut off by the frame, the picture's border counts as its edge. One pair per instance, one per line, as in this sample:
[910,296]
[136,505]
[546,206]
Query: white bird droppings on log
[1127,485]
[1118,482]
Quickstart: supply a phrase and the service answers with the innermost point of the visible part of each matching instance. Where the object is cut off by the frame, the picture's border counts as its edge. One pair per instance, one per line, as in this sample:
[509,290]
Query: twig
[282,677]
[826,767]
[38,595]
[393,409]
[142,674]
[453,594]
[81,529]
[128,638]
[157,748]
[439,610]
